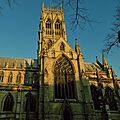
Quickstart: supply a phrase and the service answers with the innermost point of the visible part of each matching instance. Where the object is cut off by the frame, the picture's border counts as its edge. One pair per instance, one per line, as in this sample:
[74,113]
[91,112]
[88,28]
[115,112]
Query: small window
[27,78]
[49,44]
[10,77]
[62,47]
[18,80]
[1,76]
[8,103]
[34,78]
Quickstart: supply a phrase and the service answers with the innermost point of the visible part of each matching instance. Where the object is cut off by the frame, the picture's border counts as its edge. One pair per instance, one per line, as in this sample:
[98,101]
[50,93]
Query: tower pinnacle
[43,6]
[77,47]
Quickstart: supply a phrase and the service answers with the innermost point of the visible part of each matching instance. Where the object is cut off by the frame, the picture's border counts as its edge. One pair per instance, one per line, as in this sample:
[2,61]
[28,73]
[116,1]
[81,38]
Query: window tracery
[64,79]
[58,27]
[48,27]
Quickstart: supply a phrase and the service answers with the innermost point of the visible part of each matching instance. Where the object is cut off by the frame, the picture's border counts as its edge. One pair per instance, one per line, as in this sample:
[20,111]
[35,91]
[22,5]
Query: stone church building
[59,84]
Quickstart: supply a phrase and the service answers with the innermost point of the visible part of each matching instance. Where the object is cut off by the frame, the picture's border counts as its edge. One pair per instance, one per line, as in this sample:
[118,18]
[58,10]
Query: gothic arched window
[28,78]
[64,79]
[110,98]
[48,27]
[1,76]
[8,103]
[34,78]
[58,27]
[62,47]
[18,79]
[30,103]
[95,96]
[58,24]
[49,44]
[10,77]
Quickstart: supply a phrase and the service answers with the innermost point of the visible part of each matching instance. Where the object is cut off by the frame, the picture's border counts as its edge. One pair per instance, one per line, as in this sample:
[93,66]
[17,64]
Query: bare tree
[7,2]
[113,38]
[77,14]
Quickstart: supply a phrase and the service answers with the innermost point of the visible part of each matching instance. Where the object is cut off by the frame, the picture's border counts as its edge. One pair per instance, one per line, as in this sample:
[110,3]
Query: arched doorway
[67,114]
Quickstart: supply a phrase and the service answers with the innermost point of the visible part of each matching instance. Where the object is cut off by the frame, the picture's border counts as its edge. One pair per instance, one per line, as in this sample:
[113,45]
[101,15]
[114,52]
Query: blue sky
[19,27]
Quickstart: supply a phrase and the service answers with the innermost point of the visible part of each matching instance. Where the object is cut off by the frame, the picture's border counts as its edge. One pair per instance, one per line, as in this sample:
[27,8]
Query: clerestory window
[10,77]
[18,79]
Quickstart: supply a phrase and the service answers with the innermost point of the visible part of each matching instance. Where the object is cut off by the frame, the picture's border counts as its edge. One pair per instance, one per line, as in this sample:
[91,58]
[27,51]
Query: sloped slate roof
[89,67]
[17,62]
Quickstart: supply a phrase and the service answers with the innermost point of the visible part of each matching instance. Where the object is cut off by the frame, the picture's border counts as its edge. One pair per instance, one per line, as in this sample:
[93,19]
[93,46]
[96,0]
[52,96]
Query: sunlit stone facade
[59,84]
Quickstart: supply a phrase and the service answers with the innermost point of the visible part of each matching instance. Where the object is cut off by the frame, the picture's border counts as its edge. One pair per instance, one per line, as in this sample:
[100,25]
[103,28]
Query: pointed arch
[30,103]
[67,113]
[64,79]
[62,46]
[58,24]
[49,44]
[95,96]
[110,98]
[8,103]
[48,23]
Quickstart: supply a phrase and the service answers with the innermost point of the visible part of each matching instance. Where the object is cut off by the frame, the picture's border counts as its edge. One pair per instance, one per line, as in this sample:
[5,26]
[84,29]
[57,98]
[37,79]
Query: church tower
[60,69]
[69,87]
[52,28]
